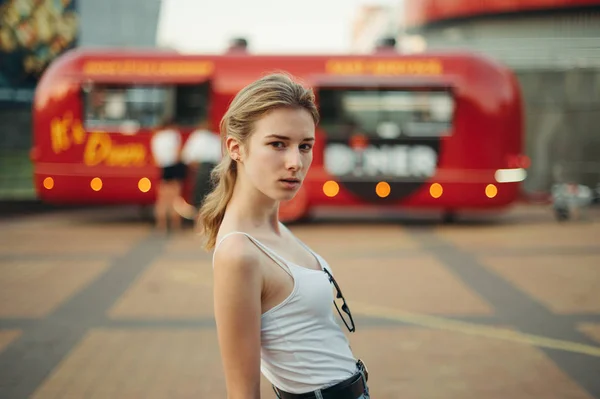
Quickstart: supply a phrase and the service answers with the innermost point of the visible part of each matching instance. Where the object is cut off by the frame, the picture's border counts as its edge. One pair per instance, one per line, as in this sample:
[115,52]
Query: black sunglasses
[350,322]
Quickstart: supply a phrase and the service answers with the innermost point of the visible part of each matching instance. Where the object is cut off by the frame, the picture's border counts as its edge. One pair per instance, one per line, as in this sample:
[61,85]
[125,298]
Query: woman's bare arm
[237,303]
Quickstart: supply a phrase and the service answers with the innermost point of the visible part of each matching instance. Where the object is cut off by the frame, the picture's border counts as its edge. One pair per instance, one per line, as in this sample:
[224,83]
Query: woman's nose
[294,160]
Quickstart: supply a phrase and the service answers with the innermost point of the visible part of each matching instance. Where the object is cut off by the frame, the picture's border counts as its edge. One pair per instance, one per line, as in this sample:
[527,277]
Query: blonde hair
[271,92]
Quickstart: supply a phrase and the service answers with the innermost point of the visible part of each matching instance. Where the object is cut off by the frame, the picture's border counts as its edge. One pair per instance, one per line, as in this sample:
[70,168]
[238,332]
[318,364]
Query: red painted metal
[422,12]
[487,129]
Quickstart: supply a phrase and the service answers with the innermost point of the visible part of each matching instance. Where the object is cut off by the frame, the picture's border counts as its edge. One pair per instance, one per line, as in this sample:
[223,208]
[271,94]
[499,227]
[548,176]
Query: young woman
[272,294]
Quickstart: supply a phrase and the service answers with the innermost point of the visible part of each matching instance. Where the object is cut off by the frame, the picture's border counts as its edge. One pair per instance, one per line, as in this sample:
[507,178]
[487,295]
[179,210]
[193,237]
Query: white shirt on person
[202,146]
[165,145]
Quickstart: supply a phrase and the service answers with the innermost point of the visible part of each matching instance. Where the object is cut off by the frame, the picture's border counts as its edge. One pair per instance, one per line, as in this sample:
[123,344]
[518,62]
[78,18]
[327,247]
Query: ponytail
[213,208]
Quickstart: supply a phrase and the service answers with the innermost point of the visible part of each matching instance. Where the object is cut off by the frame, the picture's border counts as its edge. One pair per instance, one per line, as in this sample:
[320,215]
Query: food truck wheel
[449,217]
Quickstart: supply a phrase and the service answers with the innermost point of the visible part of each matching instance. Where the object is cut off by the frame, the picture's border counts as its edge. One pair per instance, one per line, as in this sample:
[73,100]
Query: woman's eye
[306,147]
[277,144]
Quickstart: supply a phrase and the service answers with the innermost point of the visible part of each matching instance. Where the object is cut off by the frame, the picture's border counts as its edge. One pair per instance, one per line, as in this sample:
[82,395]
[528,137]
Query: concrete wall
[525,41]
[562,113]
[120,23]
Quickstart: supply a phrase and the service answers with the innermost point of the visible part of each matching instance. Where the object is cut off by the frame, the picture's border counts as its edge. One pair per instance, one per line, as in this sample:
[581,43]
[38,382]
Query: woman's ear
[233,148]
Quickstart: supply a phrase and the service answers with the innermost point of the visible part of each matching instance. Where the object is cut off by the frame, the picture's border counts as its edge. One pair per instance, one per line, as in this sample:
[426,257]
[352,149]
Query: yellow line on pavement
[441,323]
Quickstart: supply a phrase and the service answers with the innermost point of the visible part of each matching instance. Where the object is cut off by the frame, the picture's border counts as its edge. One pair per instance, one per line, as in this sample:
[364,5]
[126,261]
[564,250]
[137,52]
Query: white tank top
[302,347]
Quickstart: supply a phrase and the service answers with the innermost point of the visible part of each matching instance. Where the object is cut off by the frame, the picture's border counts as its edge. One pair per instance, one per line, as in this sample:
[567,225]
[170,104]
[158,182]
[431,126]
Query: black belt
[350,388]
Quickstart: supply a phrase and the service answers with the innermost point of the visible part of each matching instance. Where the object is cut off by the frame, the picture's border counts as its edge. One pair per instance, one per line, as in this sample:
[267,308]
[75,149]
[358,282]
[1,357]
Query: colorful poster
[32,34]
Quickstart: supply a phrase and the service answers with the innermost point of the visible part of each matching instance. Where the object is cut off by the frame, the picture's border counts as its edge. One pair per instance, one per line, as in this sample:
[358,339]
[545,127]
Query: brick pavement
[95,305]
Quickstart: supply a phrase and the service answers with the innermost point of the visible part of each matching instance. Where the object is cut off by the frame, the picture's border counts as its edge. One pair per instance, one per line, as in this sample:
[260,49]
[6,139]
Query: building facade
[119,23]
[372,23]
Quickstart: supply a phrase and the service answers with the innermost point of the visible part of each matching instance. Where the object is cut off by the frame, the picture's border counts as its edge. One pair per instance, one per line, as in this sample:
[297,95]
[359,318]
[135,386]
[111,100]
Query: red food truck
[437,131]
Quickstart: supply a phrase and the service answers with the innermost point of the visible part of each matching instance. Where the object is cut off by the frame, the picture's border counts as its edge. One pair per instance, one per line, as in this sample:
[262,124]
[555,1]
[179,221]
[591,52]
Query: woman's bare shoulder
[237,253]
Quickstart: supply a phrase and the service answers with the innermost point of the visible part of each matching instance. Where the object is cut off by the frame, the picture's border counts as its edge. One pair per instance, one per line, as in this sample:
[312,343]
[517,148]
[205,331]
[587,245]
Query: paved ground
[93,304]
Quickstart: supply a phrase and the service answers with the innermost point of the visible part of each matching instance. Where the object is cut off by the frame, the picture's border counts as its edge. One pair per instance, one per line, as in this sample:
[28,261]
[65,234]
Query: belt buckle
[362,367]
